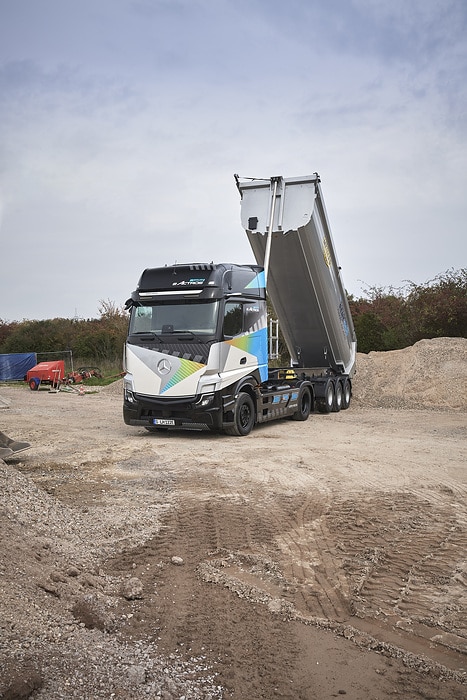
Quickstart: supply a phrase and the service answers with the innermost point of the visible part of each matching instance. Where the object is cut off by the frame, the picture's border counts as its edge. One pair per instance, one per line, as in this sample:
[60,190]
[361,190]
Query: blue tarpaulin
[16,364]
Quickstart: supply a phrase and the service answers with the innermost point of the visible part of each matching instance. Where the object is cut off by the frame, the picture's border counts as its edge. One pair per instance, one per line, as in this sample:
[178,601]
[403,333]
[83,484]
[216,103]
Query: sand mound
[430,374]
[114,389]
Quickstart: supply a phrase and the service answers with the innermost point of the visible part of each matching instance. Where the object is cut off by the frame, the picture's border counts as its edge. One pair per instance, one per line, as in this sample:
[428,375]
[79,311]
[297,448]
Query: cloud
[123,123]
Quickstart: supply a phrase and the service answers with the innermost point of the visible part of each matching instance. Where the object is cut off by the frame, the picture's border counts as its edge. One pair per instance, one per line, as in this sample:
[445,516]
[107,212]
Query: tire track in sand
[364,560]
[189,616]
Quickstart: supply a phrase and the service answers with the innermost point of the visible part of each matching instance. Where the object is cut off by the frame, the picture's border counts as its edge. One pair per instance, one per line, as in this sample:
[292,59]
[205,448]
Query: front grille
[196,352]
[154,404]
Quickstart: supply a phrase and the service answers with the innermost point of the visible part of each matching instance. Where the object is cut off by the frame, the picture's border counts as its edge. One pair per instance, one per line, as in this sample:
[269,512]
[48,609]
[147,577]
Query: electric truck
[196,355]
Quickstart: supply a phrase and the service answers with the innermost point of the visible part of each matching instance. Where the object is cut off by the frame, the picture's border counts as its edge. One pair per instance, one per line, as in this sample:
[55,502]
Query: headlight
[205,400]
[128,389]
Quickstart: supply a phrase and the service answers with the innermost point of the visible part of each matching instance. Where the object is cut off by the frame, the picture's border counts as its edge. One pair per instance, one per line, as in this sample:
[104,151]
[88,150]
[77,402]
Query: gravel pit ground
[306,561]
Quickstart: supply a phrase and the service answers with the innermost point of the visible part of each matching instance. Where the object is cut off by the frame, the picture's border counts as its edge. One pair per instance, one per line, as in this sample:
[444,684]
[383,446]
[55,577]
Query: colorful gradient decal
[251,343]
[186,368]
[257,282]
[254,344]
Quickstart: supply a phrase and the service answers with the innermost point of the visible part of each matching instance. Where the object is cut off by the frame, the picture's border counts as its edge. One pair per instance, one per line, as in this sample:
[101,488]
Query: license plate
[163,421]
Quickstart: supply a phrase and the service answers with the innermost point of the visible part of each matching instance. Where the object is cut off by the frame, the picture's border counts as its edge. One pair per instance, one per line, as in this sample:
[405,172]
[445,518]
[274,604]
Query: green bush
[389,319]
[91,342]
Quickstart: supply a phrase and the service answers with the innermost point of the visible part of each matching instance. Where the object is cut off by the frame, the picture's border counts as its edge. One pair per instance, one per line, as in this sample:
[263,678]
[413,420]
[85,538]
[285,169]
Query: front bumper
[204,410]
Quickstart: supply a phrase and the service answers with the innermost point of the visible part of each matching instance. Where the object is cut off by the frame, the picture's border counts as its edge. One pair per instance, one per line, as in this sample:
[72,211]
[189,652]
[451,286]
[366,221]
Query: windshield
[196,317]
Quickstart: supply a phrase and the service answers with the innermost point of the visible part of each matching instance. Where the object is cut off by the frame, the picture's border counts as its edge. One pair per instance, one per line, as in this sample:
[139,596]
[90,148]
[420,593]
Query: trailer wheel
[34,384]
[244,417]
[304,405]
[346,394]
[326,404]
[338,394]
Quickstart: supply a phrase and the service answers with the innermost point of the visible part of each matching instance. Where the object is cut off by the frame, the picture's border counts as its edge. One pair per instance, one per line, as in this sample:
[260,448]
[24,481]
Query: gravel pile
[430,374]
[58,631]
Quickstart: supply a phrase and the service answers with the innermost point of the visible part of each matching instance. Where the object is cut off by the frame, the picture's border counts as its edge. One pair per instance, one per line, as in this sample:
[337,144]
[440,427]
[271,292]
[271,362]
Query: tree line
[384,319]
[93,341]
[390,319]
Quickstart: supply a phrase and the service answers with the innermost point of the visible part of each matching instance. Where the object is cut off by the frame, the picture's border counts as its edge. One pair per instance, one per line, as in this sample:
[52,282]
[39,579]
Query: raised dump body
[286,223]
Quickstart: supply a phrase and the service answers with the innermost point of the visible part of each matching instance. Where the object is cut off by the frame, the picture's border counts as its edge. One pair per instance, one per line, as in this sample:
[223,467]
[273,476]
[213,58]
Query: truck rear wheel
[338,397]
[304,405]
[326,403]
[346,394]
[244,416]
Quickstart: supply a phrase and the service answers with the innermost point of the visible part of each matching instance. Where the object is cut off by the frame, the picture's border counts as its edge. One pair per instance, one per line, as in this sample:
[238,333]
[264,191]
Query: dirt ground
[306,561]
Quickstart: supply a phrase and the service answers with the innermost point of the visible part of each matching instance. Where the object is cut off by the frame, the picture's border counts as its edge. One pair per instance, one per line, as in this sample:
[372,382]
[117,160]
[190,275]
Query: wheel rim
[330,395]
[245,415]
[306,402]
[338,395]
[347,393]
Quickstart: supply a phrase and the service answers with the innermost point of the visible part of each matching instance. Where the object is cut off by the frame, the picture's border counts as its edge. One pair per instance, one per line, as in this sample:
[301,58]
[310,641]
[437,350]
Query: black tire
[244,416]
[304,405]
[346,394]
[326,403]
[338,394]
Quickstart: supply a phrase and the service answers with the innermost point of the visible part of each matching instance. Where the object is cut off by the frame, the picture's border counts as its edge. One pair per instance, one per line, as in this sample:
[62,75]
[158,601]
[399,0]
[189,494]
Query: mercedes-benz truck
[196,355]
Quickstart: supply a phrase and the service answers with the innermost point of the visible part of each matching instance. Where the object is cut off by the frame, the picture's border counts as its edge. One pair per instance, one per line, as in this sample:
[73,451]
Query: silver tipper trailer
[288,229]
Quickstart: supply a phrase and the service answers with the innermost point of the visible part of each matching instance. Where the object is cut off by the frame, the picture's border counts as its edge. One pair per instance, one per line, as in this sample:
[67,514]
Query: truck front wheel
[304,405]
[244,416]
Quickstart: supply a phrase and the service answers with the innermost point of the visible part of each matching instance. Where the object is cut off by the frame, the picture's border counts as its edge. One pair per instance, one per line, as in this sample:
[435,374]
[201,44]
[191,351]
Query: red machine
[82,373]
[52,373]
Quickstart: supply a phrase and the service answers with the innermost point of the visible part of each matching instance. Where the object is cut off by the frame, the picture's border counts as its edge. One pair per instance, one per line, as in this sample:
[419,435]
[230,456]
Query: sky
[122,123]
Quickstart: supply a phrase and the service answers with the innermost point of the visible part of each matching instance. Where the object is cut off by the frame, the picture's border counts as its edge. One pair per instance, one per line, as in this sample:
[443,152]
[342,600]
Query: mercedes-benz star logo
[164,367]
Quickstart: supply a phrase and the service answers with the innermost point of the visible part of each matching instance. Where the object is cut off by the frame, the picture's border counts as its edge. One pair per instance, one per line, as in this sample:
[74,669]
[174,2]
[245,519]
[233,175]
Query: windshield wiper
[147,335]
[180,332]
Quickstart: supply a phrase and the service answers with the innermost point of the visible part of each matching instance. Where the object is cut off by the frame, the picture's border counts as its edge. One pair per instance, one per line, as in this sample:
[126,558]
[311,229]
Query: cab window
[233,319]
